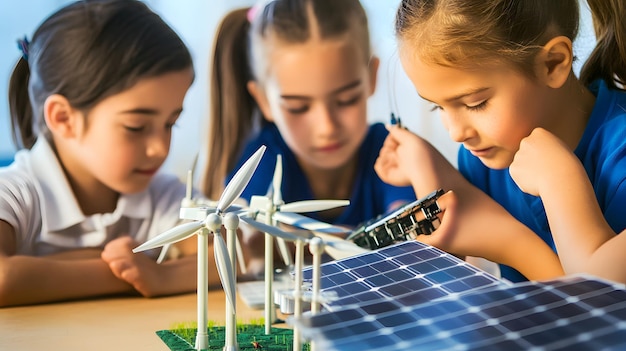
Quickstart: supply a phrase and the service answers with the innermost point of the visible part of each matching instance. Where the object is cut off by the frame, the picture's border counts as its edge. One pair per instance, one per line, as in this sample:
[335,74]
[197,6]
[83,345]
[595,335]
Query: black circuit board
[405,223]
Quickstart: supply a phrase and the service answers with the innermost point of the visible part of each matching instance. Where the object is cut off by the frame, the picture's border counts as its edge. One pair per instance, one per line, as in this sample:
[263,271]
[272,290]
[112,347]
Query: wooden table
[120,323]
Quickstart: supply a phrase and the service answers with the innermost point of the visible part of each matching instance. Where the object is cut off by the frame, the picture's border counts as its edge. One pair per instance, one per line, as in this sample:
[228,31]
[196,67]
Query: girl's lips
[330,148]
[148,172]
[481,152]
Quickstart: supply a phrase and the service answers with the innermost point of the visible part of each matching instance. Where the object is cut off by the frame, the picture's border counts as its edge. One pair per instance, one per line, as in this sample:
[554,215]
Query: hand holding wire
[396,121]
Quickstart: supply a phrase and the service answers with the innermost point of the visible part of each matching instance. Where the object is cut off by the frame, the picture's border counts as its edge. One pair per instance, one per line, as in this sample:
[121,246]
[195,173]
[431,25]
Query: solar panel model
[572,313]
[410,272]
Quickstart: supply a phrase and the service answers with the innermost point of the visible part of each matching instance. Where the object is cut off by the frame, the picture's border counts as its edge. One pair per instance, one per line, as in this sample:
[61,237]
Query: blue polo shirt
[370,195]
[602,151]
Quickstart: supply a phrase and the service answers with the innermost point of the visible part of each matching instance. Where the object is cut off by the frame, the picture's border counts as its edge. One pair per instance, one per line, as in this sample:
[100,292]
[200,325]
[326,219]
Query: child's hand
[136,269]
[451,236]
[542,161]
[472,224]
[445,236]
[398,160]
[463,228]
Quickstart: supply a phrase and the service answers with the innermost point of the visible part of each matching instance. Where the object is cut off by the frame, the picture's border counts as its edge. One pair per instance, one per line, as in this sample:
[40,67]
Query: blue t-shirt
[370,197]
[602,151]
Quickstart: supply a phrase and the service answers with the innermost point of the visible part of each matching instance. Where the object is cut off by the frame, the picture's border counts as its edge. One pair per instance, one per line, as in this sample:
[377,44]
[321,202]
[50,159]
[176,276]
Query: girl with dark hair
[295,75]
[93,101]
[542,166]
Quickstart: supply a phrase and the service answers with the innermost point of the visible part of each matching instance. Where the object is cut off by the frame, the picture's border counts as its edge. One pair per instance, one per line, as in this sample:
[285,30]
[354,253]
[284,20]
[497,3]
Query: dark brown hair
[88,51]
[240,55]
[471,32]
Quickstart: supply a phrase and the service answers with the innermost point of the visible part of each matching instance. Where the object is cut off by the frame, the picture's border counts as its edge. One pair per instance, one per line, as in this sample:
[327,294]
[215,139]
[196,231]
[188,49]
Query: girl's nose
[326,122]
[458,130]
[158,145]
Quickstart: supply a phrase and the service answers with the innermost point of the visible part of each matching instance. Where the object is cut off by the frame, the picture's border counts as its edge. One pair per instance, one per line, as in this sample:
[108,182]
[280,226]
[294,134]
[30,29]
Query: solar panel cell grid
[572,313]
[409,272]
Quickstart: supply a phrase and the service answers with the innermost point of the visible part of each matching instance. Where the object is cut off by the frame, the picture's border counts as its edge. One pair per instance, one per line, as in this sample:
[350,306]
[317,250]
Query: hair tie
[23,45]
[252,12]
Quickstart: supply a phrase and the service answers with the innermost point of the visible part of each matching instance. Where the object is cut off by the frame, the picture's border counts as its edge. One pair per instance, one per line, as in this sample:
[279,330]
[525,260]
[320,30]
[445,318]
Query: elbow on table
[10,295]
[4,286]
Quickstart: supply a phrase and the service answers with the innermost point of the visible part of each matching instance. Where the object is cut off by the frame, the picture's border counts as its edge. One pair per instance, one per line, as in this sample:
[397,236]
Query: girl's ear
[261,99]
[61,118]
[555,61]
[373,72]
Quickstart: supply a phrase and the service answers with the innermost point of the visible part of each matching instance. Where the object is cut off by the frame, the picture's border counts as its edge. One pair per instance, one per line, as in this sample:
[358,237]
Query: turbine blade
[224,268]
[313,205]
[240,180]
[274,231]
[171,236]
[163,254]
[285,253]
[277,180]
[307,223]
[199,213]
[339,248]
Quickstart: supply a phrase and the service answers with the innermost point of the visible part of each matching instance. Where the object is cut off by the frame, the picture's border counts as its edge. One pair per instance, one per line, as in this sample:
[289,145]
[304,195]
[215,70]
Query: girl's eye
[169,126]
[298,110]
[478,107]
[134,129]
[436,108]
[349,102]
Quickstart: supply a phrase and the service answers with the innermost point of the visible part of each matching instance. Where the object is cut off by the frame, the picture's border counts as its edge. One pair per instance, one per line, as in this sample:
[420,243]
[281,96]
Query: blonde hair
[468,33]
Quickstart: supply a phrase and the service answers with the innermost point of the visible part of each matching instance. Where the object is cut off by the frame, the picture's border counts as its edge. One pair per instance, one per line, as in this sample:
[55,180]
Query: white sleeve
[20,207]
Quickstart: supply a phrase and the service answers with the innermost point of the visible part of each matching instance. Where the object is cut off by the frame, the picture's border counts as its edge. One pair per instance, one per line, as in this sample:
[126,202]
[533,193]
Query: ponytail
[232,108]
[241,54]
[608,59]
[19,105]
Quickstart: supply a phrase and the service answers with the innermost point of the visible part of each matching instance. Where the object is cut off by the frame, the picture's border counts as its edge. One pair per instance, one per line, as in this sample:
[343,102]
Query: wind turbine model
[318,244]
[198,209]
[273,209]
[224,259]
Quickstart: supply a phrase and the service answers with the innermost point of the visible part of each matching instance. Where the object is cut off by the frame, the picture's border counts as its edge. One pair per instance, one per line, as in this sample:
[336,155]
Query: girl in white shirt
[93,101]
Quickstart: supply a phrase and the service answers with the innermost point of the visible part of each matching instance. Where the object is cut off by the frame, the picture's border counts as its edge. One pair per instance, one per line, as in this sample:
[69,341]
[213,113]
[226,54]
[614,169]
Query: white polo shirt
[36,199]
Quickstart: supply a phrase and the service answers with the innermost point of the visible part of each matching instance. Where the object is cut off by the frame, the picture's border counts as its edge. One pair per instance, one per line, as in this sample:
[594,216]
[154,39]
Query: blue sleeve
[614,212]
[602,151]
[608,178]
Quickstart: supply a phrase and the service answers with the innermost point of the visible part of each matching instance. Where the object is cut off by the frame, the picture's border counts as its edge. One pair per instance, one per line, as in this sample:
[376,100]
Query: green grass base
[182,338]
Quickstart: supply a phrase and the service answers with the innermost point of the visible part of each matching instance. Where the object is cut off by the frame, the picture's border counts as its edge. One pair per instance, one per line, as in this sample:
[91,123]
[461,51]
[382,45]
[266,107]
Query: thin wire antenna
[391,89]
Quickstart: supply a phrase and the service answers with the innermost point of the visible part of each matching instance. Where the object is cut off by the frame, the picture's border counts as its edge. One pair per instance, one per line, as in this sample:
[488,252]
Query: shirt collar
[60,208]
